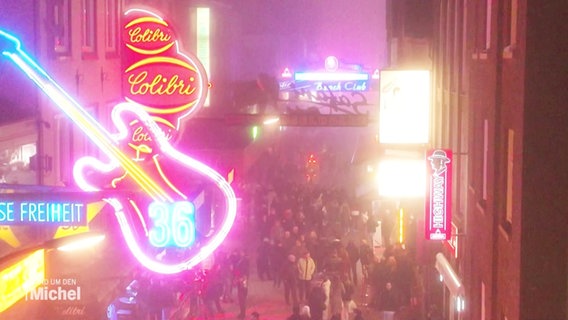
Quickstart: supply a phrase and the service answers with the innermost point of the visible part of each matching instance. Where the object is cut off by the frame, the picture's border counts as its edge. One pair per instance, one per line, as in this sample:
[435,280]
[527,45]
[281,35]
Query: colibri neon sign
[156,184]
[170,85]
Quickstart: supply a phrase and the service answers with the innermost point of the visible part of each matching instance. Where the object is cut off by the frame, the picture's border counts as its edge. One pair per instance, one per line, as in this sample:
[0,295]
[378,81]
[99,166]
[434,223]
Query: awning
[450,278]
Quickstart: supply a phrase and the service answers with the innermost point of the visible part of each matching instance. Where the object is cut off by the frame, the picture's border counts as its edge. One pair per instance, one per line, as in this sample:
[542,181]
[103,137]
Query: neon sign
[155,209]
[69,209]
[331,79]
[168,84]
[68,213]
[331,76]
[439,194]
[404,106]
[21,278]
[174,225]
[330,90]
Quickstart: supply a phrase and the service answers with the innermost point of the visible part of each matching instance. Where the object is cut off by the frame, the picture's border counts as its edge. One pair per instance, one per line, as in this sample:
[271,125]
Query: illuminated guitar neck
[92,129]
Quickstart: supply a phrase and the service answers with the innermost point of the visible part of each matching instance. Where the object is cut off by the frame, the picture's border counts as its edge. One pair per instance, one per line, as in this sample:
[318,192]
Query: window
[510,166]
[442,41]
[89,28]
[483,32]
[111,28]
[88,147]
[485,155]
[18,163]
[203,26]
[59,27]
[464,71]
[457,45]
[482,300]
[488,10]
[65,150]
[510,12]
[449,46]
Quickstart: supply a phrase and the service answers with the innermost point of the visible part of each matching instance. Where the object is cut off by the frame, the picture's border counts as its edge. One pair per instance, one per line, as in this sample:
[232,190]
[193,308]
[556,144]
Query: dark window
[89,28]
[111,28]
[59,27]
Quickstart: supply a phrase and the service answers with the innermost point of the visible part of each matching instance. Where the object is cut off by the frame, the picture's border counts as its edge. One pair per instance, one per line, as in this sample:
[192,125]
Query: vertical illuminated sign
[439,194]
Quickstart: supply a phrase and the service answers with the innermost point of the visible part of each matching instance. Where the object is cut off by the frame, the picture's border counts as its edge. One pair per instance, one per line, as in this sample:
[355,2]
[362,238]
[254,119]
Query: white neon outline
[166,148]
[80,166]
[67,104]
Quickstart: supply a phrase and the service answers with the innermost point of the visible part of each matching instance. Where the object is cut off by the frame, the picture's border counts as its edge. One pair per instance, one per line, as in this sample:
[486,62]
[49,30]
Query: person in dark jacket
[263,260]
[289,276]
[389,299]
[241,276]
[316,301]
[358,315]
[213,291]
[353,252]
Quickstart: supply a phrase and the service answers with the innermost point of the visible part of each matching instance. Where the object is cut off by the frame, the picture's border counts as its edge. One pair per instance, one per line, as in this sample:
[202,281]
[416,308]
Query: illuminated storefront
[403,133]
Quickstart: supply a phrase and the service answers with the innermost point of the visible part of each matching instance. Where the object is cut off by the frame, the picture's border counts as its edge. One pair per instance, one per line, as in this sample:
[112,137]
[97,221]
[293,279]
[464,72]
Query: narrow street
[267,300]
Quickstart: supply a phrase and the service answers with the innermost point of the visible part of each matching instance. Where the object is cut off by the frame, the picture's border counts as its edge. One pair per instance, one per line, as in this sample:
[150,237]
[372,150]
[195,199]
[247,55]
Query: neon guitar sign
[157,218]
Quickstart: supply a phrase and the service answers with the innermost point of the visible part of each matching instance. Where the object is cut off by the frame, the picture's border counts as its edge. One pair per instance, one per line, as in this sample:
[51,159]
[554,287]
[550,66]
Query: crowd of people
[315,245]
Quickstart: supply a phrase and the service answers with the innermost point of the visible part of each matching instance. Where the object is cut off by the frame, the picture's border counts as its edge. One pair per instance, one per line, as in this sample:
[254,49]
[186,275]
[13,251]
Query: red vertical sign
[439,194]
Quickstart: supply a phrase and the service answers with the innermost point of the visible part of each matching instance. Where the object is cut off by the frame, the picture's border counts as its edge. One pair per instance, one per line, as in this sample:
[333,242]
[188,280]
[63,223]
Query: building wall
[450,49]
[514,262]
[18,19]
[91,78]
[544,218]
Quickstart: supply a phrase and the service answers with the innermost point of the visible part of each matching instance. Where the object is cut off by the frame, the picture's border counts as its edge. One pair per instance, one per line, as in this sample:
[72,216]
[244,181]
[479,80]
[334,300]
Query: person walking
[349,304]
[241,276]
[353,252]
[263,269]
[326,287]
[242,293]
[289,278]
[316,302]
[212,293]
[277,260]
[336,294]
[389,301]
[306,269]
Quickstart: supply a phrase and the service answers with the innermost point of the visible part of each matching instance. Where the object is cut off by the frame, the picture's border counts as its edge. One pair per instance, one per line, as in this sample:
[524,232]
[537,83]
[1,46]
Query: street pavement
[269,302]
[263,297]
